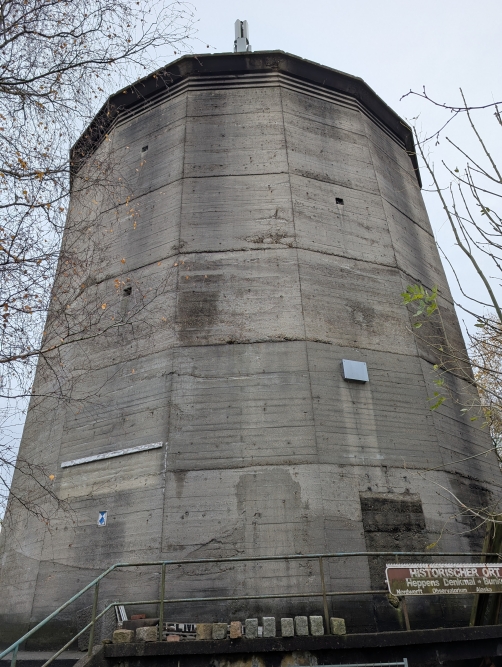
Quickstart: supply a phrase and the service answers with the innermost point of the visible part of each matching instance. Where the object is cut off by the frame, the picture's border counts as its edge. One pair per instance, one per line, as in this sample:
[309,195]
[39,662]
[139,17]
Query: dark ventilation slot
[127,290]
[145,148]
[339,201]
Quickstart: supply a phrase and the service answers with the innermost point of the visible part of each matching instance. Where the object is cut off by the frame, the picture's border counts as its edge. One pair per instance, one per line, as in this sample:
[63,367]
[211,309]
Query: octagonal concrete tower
[272,207]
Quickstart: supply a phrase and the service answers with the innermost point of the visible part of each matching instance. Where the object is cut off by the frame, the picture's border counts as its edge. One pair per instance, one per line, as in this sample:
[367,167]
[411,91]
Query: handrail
[55,613]
[13,648]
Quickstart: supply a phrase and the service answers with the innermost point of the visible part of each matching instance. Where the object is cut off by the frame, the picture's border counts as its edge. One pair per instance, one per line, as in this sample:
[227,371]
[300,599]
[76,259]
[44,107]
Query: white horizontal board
[111,455]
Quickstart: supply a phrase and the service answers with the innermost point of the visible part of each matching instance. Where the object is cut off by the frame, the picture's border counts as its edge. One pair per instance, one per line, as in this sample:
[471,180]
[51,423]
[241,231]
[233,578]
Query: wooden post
[324,596]
[402,601]
[93,619]
[492,543]
[162,596]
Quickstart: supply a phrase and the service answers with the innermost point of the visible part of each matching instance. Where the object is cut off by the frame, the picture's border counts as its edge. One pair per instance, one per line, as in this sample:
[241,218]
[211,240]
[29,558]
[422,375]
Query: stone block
[123,636]
[139,623]
[235,629]
[287,627]
[220,630]
[316,626]
[301,626]
[269,629]
[204,631]
[172,638]
[148,634]
[337,626]
[251,627]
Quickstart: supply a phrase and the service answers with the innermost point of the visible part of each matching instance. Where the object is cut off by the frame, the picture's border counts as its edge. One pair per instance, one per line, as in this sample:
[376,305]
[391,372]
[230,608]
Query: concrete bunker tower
[266,214]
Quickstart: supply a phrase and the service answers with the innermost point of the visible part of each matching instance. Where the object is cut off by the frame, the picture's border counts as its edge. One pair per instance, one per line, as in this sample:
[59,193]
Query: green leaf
[439,402]
[417,325]
[431,309]
[481,325]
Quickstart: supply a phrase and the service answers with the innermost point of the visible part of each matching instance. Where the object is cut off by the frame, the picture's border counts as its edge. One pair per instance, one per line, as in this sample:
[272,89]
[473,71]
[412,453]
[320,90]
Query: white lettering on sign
[449,579]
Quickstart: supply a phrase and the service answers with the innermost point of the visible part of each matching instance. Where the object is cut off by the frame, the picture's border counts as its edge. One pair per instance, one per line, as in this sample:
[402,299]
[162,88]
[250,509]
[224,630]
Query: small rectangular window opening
[339,201]
[144,149]
[128,290]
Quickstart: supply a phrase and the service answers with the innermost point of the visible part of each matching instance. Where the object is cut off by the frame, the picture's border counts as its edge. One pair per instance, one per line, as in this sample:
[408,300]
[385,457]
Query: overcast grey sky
[394,46]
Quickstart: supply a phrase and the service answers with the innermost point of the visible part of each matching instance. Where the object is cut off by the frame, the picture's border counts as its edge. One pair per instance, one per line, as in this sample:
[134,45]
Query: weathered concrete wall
[262,284]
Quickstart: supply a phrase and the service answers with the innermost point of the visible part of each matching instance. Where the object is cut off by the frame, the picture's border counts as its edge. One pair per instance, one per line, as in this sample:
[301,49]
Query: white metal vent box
[355,370]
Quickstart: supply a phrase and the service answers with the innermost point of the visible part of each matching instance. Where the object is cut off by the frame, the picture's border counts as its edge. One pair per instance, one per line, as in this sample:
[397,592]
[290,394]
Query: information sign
[448,579]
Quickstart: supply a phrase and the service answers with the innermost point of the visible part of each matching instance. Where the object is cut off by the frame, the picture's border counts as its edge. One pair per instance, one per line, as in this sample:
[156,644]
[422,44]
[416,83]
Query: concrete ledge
[414,638]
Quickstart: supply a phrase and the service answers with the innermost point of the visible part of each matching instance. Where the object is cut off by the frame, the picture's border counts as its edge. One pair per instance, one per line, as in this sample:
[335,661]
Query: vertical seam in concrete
[303,319]
[169,402]
[400,276]
[166,445]
[32,622]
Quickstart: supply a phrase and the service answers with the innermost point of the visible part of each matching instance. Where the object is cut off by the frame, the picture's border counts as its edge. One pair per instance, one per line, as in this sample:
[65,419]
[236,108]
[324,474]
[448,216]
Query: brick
[251,627]
[316,626]
[204,631]
[337,626]
[287,627]
[302,626]
[235,629]
[172,638]
[123,636]
[138,617]
[148,634]
[269,629]
[220,630]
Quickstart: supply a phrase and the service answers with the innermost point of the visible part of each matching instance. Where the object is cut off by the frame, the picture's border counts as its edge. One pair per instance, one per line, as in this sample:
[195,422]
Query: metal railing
[161,601]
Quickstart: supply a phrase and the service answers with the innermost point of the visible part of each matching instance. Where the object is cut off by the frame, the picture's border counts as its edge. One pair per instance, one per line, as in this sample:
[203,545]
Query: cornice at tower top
[253,68]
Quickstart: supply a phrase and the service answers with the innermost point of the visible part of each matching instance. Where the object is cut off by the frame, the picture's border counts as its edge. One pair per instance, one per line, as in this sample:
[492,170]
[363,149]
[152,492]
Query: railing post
[402,602]
[93,619]
[324,596]
[162,596]
[14,656]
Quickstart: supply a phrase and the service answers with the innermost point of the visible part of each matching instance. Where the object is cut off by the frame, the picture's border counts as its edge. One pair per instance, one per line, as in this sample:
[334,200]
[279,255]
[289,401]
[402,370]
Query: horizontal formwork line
[271,596]
[273,79]
[263,80]
[277,79]
[340,554]
[176,345]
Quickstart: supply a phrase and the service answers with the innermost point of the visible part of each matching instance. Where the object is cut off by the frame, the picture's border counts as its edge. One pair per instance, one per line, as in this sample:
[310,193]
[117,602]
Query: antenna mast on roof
[241,37]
